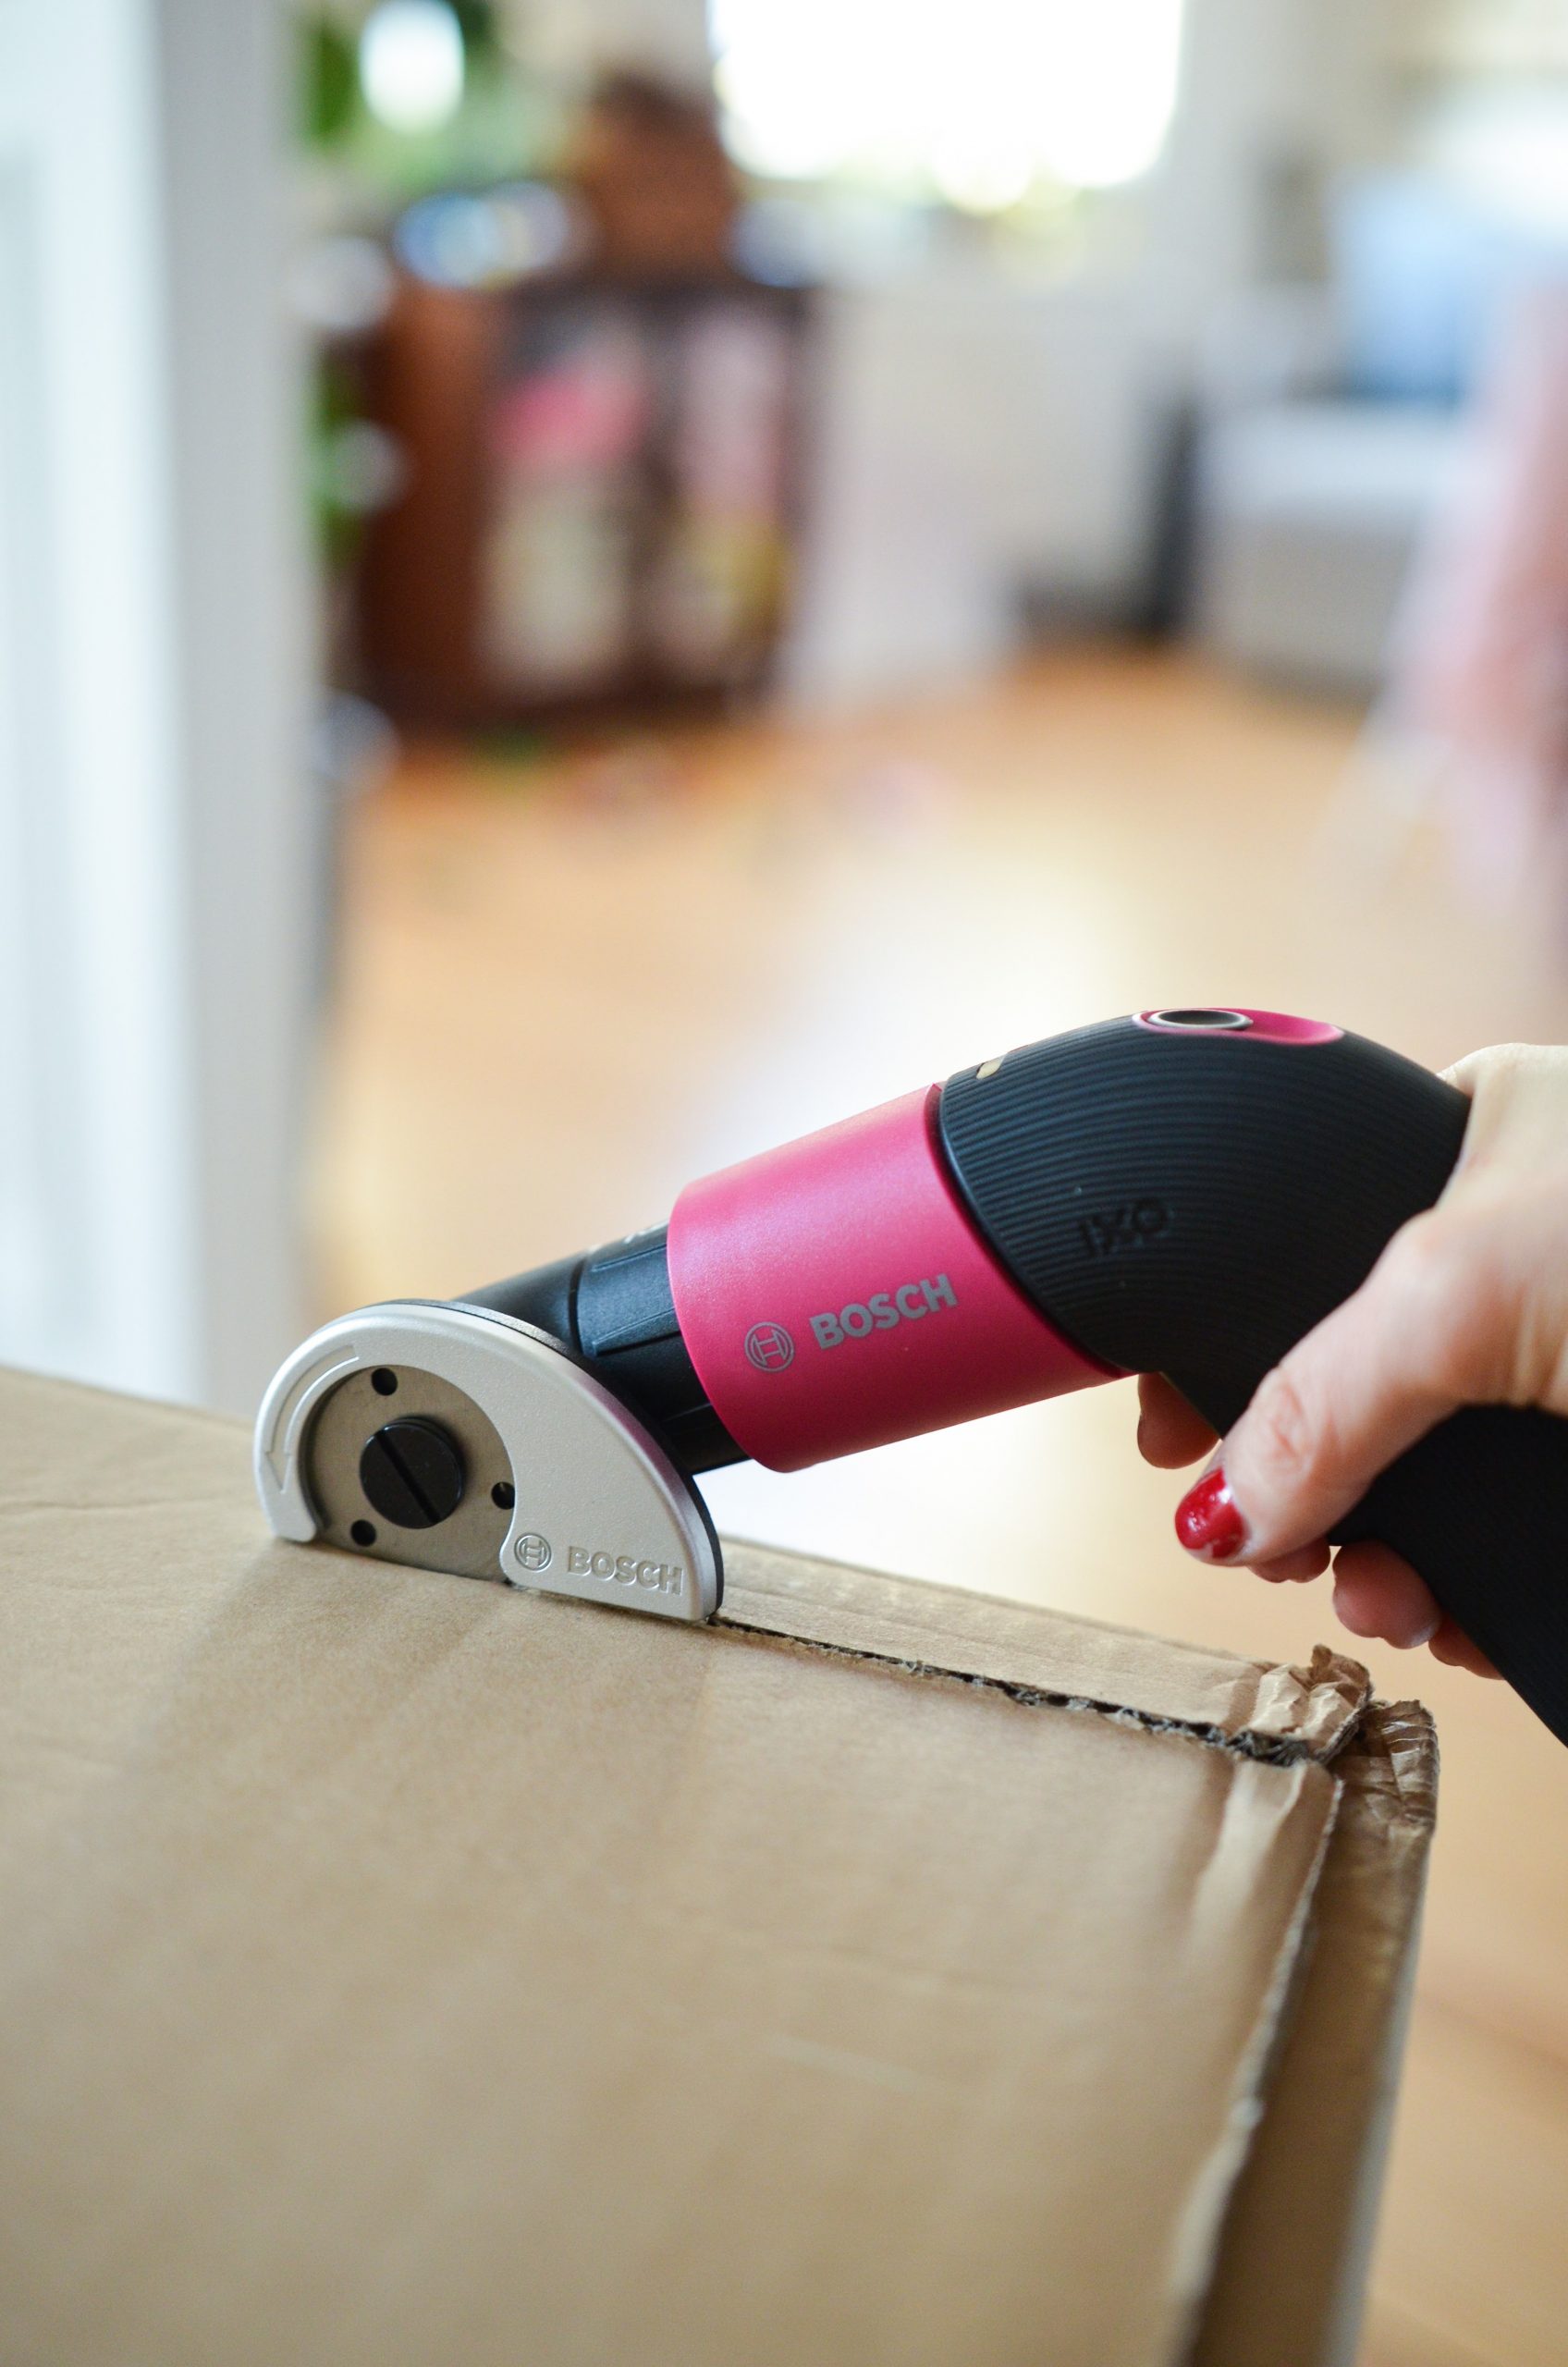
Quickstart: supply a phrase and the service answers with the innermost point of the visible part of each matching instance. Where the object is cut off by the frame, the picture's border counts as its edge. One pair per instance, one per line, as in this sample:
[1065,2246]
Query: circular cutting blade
[358,1409]
[559,1487]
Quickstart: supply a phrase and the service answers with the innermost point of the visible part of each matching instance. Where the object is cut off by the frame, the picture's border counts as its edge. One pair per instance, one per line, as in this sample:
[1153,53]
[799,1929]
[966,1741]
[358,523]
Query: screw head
[412,1471]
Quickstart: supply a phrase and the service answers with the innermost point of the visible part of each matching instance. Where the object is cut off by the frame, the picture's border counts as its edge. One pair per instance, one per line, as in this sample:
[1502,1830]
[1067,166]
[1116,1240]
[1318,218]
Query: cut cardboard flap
[1269,1711]
[396,1967]
[1289,2283]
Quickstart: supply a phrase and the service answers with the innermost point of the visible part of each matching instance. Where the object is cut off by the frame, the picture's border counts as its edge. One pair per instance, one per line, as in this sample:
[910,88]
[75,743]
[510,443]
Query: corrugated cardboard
[401,1968]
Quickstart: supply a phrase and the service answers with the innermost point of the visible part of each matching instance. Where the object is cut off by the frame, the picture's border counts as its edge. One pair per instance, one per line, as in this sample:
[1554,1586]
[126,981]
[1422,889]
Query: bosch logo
[626,1570]
[911,1303]
[533,1552]
[769,1348]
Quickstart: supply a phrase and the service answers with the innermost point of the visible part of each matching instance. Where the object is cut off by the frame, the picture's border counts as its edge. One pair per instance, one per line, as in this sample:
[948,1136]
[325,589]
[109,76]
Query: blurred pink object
[1480,664]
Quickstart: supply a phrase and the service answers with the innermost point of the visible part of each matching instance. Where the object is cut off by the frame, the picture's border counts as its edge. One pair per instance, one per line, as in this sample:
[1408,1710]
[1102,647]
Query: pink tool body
[834,1295]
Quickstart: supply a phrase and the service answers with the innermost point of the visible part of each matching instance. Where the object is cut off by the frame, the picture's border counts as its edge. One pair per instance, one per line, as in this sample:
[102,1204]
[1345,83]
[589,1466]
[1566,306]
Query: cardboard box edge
[1290,2276]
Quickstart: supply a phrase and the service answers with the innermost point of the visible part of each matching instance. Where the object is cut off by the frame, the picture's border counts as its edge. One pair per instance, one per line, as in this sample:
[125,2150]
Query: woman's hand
[1467,1306]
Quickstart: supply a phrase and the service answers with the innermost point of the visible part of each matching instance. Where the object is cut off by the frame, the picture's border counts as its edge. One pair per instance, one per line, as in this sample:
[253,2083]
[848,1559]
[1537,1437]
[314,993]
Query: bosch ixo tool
[1184,1192]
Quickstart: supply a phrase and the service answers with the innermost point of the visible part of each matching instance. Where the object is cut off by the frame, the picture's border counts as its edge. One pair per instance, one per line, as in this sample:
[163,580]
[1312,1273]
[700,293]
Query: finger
[1452,1647]
[1420,1337]
[1377,1594]
[1171,1432]
[1466,1075]
[1307,1562]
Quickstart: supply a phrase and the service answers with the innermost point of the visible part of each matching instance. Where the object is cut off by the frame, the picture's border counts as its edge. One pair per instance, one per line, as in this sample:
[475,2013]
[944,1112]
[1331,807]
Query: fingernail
[1208,1522]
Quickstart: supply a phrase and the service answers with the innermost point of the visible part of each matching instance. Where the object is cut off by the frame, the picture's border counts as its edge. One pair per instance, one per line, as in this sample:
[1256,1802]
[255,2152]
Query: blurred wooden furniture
[601,495]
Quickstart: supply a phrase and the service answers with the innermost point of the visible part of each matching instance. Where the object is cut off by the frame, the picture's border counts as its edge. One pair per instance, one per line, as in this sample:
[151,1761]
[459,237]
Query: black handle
[1190,1199]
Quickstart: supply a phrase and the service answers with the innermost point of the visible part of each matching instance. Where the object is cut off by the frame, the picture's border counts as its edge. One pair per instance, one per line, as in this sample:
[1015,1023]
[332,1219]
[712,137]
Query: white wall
[154,892]
[979,428]
[1260,80]
[972,433]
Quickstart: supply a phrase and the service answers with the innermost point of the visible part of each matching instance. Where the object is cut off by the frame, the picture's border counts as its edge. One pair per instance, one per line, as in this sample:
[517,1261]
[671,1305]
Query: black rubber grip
[612,1307]
[1190,1202]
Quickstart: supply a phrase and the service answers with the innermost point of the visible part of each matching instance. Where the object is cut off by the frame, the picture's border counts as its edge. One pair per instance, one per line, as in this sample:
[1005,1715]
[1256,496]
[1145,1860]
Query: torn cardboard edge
[1034,1654]
[1288,2279]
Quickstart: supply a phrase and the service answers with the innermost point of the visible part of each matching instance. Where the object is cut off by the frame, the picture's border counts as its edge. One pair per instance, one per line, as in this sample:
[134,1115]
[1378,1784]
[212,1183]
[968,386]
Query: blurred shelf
[601,498]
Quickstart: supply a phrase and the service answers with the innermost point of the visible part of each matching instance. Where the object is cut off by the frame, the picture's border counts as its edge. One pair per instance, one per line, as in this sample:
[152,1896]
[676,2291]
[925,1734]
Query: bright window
[977,101]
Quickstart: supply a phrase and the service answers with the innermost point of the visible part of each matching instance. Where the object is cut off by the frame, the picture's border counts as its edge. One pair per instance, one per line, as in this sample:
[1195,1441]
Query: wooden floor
[571,984]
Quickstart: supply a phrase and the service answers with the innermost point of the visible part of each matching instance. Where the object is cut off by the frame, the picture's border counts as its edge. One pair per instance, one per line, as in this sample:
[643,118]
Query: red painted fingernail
[1208,1521]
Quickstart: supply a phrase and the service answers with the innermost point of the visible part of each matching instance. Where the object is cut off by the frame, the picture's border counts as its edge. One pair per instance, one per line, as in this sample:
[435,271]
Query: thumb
[1397,1357]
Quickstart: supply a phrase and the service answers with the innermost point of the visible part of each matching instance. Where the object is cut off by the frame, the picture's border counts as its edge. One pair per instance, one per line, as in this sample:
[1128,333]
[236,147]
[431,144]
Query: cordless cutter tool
[1184,1192]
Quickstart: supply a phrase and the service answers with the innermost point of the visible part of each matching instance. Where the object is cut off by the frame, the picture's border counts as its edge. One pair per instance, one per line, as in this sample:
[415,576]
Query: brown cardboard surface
[397,1967]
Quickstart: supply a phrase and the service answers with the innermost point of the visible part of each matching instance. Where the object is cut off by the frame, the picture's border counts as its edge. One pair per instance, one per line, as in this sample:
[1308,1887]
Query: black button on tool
[413,1472]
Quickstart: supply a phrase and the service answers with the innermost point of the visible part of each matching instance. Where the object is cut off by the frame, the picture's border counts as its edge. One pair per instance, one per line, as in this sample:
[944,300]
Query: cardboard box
[401,1969]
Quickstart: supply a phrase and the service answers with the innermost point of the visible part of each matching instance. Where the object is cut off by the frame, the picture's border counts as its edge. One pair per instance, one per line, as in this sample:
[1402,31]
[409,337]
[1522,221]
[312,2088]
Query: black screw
[363,1532]
[504,1494]
[412,1472]
[384,1381]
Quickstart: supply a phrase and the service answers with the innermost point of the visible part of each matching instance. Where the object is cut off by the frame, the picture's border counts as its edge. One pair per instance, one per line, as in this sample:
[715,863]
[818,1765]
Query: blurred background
[589,585]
